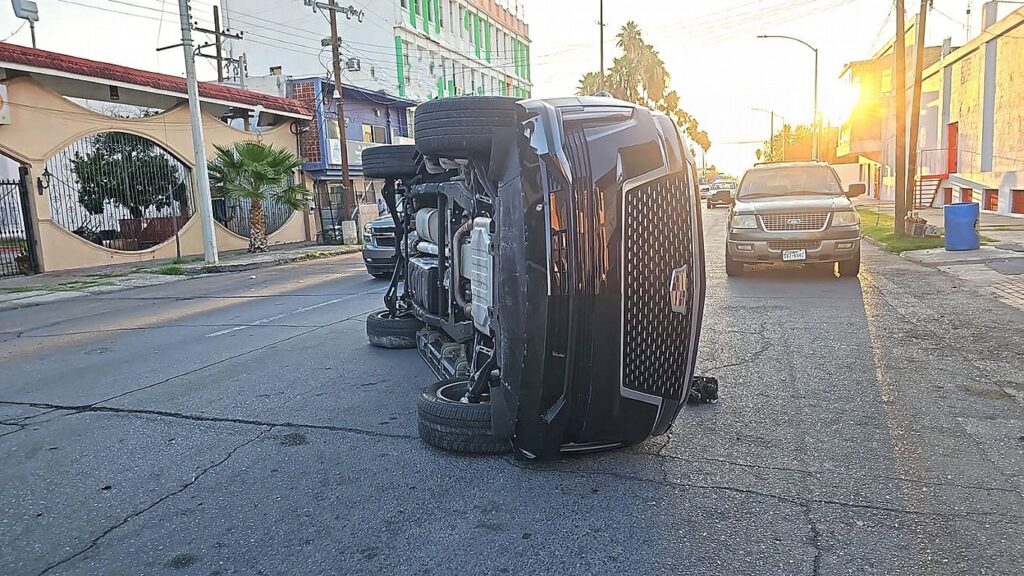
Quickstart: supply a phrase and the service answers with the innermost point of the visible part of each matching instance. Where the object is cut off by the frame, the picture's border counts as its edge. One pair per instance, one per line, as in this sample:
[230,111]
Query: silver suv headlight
[743,221]
[850,218]
[367,234]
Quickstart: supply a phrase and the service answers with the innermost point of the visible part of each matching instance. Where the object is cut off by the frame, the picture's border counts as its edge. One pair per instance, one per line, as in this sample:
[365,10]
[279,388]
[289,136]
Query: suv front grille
[791,222]
[657,240]
[793,244]
[383,236]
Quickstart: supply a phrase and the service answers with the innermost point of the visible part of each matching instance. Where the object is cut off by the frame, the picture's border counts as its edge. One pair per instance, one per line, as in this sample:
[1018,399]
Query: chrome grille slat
[657,239]
[383,236]
[810,222]
[794,244]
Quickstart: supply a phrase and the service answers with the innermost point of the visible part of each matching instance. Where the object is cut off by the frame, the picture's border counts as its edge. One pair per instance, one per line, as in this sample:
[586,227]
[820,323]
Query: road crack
[92,408]
[792,500]
[195,478]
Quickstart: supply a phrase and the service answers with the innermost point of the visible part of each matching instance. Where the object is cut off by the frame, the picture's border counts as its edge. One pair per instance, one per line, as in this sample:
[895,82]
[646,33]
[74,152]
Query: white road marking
[278,316]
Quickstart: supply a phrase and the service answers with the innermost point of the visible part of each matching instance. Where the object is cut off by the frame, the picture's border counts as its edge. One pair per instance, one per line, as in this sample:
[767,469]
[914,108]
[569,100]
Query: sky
[719,67]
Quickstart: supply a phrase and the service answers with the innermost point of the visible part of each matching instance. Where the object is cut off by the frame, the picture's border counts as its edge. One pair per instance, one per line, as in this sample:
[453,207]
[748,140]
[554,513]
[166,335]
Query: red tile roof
[15,54]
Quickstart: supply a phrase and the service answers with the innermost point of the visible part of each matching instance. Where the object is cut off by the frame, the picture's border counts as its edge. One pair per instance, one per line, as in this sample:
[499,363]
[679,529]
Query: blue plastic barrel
[961,220]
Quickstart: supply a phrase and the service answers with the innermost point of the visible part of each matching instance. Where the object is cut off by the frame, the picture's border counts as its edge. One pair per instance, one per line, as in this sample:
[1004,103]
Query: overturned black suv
[550,271]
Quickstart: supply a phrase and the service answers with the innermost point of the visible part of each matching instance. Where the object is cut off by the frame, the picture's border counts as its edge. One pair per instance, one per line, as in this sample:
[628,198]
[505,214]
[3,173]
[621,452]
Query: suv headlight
[850,218]
[744,221]
[367,233]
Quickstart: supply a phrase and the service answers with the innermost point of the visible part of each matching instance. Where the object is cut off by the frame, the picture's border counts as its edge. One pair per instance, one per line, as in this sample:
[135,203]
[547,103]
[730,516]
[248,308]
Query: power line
[15,33]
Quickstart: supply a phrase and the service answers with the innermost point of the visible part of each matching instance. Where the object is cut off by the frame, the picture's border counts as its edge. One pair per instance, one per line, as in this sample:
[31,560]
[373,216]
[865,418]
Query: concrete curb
[242,266]
[195,271]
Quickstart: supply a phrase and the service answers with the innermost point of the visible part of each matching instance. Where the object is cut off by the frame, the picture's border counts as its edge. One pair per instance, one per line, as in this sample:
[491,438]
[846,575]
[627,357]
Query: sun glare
[837,107]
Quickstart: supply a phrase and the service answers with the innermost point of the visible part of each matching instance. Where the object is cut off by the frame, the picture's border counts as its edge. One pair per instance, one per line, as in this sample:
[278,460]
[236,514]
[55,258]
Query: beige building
[109,159]
[972,143]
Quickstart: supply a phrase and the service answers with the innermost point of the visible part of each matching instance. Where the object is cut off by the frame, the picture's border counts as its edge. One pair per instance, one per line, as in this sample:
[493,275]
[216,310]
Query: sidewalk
[24,291]
[998,227]
[996,268]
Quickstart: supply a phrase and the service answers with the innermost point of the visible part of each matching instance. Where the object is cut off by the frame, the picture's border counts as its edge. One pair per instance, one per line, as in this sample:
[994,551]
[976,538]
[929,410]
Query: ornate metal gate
[16,240]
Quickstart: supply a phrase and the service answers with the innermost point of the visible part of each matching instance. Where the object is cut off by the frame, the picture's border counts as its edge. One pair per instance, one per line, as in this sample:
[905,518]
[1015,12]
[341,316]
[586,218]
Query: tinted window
[790,180]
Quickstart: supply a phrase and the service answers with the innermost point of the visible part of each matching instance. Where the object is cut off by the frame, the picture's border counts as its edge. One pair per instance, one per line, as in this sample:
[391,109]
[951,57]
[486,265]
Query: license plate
[791,255]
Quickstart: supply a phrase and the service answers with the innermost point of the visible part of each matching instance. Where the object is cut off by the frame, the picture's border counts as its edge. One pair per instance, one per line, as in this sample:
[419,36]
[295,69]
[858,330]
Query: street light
[771,136]
[815,50]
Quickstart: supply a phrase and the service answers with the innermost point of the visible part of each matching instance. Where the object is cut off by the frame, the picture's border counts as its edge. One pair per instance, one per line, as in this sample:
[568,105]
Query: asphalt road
[233,425]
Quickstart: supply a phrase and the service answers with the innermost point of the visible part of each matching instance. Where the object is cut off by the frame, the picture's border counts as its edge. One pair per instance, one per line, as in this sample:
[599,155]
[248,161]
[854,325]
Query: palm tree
[258,172]
[639,76]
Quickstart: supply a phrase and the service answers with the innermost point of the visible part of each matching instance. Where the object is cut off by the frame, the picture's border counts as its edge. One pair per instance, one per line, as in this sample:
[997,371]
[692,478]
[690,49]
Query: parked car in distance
[705,191]
[721,193]
[379,247]
[794,212]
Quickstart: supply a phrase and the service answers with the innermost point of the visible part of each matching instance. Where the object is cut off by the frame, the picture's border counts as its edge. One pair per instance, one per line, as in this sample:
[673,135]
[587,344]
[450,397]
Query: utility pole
[915,108]
[900,89]
[817,119]
[220,44]
[199,148]
[349,195]
[600,28]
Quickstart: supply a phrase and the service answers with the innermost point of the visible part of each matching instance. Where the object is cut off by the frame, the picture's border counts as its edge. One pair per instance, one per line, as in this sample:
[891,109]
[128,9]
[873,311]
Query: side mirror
[856,190]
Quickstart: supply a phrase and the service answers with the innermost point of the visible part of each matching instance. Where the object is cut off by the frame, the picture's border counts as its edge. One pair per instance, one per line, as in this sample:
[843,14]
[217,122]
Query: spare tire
[462,127]
[394,161]
[384,331]
[448,424]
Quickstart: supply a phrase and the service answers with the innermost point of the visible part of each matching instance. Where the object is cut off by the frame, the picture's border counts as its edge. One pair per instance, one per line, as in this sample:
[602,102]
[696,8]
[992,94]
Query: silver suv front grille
[791,222]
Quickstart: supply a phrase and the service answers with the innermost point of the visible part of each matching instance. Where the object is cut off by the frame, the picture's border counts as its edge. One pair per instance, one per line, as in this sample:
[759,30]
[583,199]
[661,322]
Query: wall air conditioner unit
[352,65]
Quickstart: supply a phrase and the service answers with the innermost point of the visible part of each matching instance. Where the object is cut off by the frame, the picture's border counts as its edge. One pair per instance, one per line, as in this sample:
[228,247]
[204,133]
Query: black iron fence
[330,209]
[16,254]
[119,190]
[233,214]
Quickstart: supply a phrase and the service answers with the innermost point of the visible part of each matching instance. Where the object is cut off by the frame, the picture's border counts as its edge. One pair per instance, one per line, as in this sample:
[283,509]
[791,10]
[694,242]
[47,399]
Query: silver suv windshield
[790,181]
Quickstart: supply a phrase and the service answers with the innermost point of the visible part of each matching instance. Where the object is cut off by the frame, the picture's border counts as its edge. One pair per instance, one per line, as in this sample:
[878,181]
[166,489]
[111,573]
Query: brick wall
[965,108]
[309,141]
[1008,137]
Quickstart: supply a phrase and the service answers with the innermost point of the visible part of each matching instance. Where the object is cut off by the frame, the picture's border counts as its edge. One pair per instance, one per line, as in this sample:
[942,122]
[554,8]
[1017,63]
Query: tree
[791,143]
[130,171]
[639,76]
[257,172]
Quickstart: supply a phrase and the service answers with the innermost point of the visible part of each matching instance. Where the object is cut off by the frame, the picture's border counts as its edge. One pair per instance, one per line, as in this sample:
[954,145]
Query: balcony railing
[932,161]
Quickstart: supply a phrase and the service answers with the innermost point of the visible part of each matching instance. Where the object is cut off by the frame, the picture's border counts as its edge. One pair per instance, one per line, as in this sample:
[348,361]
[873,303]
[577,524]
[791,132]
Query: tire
[462,127]
[732,267]
[450,425]
[383,331]
[711,206]
[850,268]
[394,161]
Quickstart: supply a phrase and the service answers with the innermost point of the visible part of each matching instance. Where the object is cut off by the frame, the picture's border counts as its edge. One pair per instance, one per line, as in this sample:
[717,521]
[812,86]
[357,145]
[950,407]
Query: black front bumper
[379,259]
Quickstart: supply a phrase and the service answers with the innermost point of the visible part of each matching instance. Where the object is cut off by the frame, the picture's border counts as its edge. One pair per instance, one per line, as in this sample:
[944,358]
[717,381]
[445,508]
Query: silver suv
[794,212]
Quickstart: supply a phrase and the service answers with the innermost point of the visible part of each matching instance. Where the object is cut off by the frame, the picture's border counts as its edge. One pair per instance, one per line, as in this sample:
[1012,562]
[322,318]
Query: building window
[462,22]
[1017,201]
[375,134]
[886,81]
[440,15]
[405,3]
[966,195]
[991,199]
